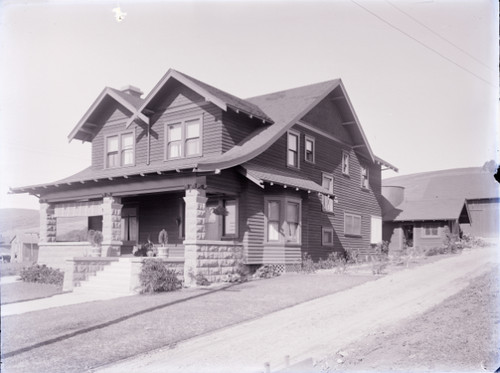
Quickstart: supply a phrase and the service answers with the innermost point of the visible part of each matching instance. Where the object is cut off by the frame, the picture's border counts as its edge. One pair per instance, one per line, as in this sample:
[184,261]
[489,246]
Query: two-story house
[259,181]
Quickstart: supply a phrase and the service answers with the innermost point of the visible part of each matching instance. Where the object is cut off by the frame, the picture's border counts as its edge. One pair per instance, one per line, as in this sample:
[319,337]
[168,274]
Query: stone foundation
[214,259]
[80,269]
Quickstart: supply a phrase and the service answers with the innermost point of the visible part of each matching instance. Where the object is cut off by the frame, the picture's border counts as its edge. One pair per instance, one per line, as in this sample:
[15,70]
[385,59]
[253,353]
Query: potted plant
[163,240]
[95,239]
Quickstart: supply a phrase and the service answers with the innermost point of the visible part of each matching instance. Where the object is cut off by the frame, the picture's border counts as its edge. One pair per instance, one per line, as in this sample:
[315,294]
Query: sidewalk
[58,300]
[316,328]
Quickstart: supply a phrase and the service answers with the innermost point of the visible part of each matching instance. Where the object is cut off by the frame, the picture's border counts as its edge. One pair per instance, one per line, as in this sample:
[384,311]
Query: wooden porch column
[111,226]
[48,223]
[195,230]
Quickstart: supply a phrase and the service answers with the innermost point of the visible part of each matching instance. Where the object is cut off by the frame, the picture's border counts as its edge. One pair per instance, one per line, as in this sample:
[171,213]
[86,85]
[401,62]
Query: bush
[308,265]
[241,274]
[201,280]
[42,274]
[156,277]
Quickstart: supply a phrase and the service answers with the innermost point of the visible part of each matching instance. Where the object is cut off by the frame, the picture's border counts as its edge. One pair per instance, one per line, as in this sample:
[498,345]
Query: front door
[130,229]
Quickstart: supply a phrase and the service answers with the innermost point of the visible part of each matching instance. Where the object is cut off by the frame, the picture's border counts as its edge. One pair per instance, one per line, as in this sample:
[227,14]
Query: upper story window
[345,162]
[293,149]
[309,149]
[352,224]
[283,220]
[364,177]
[183,139]
[120,150]
[327,201]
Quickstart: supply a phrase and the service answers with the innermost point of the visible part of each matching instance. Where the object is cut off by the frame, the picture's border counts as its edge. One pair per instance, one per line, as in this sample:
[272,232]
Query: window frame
[297,152]
[346,164]
[329,230]
[283,222]
[426,226]
[219,202]
[120,150]
[353,234]
[365,178]
[313,152]
[183,140]
[325,197]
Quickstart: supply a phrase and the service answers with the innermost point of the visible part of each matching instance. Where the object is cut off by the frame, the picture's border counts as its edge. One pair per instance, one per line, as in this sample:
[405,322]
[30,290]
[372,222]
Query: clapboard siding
[227,182]
[236,127]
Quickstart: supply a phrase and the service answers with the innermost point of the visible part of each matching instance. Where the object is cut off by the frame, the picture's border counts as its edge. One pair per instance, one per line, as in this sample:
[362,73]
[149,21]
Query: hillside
[18,219]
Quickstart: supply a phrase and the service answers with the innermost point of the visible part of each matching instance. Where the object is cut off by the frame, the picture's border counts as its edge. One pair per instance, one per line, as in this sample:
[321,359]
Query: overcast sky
[422,75]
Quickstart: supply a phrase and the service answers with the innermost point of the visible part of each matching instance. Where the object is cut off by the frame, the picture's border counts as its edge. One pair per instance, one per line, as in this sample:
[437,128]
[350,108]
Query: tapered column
[111,226]
[196,201]
[48,223]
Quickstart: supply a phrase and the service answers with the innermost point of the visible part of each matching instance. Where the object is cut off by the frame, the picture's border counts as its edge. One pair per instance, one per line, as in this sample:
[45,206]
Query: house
[418,207]
[24,247]
[259,181]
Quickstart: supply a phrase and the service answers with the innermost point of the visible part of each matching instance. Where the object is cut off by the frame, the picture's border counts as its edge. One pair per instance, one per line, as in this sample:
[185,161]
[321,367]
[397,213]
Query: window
[183,139]
[376,230]
[273,220]
[293,149]
[120,150]
[352,225]
[326,200]
[293,221]
[364,177]
[326,236]
[430,230]
[221,219]
[345,163]
[283,220]
[309,149]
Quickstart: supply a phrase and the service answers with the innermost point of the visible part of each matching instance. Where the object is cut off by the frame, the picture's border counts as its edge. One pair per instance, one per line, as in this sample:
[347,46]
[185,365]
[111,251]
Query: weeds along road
[320,327]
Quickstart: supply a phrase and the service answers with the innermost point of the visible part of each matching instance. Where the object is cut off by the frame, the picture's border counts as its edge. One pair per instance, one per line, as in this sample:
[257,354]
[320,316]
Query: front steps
[114,279]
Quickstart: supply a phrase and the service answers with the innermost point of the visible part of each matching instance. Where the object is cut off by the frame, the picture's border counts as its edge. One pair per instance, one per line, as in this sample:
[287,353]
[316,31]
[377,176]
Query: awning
[261,175]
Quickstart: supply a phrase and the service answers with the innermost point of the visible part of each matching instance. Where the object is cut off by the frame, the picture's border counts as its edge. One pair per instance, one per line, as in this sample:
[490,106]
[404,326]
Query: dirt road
[320,327]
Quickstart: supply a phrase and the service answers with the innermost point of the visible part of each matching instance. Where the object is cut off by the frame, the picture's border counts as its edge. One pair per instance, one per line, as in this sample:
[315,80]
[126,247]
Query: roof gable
[93,120]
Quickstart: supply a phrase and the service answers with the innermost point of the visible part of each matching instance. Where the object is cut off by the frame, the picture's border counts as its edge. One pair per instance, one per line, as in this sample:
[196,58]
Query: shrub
[42,274]
[201,280]
[308,265]
[156,277]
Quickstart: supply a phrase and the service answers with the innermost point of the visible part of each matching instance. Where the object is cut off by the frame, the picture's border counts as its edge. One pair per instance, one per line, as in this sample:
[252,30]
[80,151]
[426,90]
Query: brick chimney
[131,90]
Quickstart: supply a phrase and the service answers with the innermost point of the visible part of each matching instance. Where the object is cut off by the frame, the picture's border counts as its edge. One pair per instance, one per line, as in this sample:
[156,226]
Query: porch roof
[261,174]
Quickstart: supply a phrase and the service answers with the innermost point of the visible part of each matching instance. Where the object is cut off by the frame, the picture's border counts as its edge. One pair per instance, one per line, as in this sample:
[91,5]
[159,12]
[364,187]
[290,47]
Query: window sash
[229,223]
[431,230]
[183,139]
[364,177]
[327,201]
[309,150]
[293,150]
[352,224]
[345,163]
[326,236]
[273,220]
[120,150]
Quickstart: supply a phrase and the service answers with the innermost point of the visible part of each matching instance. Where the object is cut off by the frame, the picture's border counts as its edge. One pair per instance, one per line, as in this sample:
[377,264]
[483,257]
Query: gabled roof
[218,97]
[30,238]
[459,183]
[93,119]
[425,210]
[260,174]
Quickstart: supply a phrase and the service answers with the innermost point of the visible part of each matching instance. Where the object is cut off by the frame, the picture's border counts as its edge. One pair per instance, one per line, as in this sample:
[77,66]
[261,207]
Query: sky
[422,75]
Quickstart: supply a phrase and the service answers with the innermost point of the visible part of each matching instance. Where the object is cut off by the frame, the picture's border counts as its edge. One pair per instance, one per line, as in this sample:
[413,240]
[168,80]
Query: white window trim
[424,234]
[297,134]
[367,177]
[283,238]
[311,139]
[182,122]
[344,153]
[119,135]
[330,176]
[348,214]
[323,230]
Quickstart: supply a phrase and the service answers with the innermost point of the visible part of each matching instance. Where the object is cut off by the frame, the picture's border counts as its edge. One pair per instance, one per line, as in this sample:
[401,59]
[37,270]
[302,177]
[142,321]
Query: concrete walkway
[58,300]
[315,329]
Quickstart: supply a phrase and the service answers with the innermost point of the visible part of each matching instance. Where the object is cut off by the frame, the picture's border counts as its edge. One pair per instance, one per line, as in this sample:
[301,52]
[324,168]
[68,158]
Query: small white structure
[24,247]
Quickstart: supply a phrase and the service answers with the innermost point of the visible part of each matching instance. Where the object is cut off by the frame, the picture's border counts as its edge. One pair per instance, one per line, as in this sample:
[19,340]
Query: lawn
[97,333]
[20,291]
[460,334]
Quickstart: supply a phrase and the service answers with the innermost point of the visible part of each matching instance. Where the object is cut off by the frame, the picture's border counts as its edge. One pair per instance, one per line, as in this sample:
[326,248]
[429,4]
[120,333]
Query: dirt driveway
[319,327]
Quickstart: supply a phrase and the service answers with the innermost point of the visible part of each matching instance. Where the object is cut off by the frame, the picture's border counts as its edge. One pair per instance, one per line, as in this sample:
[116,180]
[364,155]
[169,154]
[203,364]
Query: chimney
[133,91]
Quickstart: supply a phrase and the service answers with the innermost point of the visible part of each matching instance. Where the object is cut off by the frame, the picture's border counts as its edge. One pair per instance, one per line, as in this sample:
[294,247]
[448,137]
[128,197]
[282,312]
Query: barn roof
[437,209]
